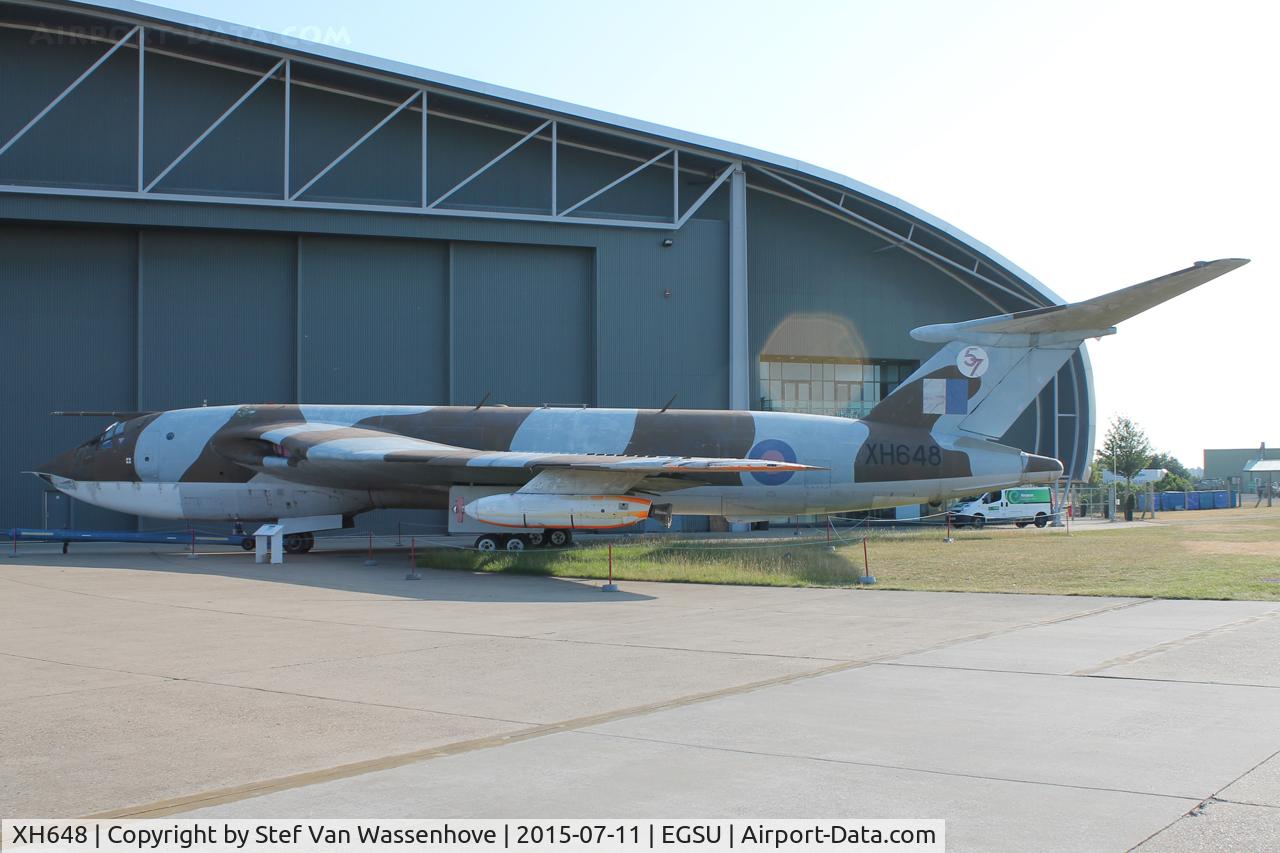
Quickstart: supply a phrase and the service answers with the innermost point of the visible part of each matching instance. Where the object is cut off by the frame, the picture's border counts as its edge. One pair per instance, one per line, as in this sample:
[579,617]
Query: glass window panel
[764,370]
[775,390]
[828,371]
[802,392]
[791,370]
[848,372]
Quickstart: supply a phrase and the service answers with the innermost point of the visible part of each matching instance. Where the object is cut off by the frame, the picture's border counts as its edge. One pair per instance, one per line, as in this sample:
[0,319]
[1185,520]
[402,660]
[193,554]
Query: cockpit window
[110,434]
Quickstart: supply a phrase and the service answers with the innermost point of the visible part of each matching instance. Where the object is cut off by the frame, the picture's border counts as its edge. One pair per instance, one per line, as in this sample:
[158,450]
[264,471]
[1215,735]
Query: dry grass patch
[1235,555]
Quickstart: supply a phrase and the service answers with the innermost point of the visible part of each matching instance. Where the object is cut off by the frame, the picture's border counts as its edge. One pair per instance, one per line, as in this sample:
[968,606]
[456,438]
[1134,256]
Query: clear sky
[1094,144]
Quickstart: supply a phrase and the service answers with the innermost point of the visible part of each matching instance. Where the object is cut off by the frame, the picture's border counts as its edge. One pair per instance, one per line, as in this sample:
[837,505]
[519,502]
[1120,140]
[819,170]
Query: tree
[1125,450]
[1171,464]
[1172,482]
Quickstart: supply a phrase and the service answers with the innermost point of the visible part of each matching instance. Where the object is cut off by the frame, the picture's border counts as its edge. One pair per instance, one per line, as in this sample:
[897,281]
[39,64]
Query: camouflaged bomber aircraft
[541,473]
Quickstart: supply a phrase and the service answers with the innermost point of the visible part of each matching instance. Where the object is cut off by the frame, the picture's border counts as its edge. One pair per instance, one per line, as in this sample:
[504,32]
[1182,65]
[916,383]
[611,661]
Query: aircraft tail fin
[989,370]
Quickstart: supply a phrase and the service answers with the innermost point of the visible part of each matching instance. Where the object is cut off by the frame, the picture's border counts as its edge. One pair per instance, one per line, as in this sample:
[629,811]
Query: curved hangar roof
[226,44]
[397,91]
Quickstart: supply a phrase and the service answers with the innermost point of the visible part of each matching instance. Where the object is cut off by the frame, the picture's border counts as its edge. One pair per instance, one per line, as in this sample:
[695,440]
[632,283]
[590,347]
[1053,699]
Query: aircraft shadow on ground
[346,571]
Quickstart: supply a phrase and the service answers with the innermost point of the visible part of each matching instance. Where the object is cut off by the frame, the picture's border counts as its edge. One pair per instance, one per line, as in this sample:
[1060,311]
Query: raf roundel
[973,361]
[775,451]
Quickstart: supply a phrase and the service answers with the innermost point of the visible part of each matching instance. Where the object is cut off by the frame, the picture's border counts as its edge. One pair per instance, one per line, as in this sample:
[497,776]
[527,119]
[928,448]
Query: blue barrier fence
[1174,501]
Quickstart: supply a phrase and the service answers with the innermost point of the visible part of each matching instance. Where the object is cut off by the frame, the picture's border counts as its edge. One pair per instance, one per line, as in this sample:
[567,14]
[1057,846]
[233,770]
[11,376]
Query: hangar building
[193,212]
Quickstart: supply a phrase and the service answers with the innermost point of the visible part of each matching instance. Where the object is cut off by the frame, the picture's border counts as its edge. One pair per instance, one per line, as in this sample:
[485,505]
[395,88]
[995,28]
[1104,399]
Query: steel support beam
[739,349]
[675,187]
[604,189]
[142,80]
[702,199]
[425,150]
[361,141]
[211,128]
[67,91]
[478,172]
[288,122]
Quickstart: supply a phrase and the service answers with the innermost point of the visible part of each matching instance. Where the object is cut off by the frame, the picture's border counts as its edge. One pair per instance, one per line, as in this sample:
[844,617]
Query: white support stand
[268,536]
[271,536]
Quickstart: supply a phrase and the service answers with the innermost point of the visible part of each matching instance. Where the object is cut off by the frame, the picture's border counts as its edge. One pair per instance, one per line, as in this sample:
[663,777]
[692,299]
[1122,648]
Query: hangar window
[828,386]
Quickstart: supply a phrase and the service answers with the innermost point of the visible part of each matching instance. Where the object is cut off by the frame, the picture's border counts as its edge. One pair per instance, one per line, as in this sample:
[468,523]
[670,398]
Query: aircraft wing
[1073,322]
[356,457]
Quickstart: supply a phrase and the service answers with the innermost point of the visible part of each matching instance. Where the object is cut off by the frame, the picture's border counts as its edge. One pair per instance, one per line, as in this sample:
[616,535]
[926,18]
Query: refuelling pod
[580,512]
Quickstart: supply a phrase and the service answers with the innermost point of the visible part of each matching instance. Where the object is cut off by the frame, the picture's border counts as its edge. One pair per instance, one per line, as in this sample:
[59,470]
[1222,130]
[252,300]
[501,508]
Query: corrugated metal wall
[87,140]
[521,324]
[217,319]
[373,316]
[67,333]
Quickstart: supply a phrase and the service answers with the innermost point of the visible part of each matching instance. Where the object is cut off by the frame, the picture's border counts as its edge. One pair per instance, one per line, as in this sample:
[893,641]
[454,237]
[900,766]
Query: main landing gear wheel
[295,543]
[558,538]
[308,541]
[248,543]
[515,543]
[487,542]
[977,522]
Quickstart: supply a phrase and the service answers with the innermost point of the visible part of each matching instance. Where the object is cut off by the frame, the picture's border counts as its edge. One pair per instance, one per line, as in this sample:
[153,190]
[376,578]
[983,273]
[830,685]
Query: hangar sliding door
[374,321]
[217,319]
[521,324]
[67,299]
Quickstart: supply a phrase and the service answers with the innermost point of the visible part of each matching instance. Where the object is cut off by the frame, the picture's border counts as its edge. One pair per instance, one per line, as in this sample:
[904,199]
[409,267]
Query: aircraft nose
[1040,469]
[63,465]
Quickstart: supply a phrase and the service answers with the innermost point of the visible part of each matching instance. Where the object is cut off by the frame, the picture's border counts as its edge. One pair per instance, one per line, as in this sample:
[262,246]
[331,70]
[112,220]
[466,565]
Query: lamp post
[1112,510]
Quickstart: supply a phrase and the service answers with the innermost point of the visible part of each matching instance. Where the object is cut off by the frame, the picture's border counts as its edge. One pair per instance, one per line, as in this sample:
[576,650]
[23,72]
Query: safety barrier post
[399,542]
[413,560]
[15,544]
[949,538]
[610,586]
[192,555]
[369,561]
[867,578]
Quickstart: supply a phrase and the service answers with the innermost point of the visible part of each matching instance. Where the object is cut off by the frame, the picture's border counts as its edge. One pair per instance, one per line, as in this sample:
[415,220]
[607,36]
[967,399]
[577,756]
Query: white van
[1032,505]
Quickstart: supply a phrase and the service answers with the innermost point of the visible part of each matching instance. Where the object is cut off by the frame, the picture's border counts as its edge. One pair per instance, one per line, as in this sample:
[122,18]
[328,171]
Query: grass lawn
[1215,554]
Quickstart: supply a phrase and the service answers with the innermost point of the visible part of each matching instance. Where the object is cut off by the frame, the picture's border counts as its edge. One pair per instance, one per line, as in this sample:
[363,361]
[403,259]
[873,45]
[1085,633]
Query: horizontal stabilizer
[1068,324]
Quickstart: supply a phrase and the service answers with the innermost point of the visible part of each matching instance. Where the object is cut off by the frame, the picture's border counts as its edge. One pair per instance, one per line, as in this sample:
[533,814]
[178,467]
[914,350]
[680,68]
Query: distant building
[1228,463]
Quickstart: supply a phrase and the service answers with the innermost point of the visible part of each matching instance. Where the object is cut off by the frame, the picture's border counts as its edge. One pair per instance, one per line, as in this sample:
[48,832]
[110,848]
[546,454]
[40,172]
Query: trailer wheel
[557,538]
[248,543]
[535,538]
[1041,519]
[487,542]
[515,543]
[308,542]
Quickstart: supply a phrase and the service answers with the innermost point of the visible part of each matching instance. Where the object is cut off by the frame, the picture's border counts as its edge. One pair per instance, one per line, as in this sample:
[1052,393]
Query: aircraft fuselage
[177,465]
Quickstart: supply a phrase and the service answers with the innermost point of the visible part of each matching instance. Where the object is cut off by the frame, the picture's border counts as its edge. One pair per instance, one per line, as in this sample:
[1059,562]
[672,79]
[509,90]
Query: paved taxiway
[145,683]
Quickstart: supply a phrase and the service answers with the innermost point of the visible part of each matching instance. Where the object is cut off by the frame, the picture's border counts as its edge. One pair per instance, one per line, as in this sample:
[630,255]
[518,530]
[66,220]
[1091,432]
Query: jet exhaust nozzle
[661,513]
[1040,469]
